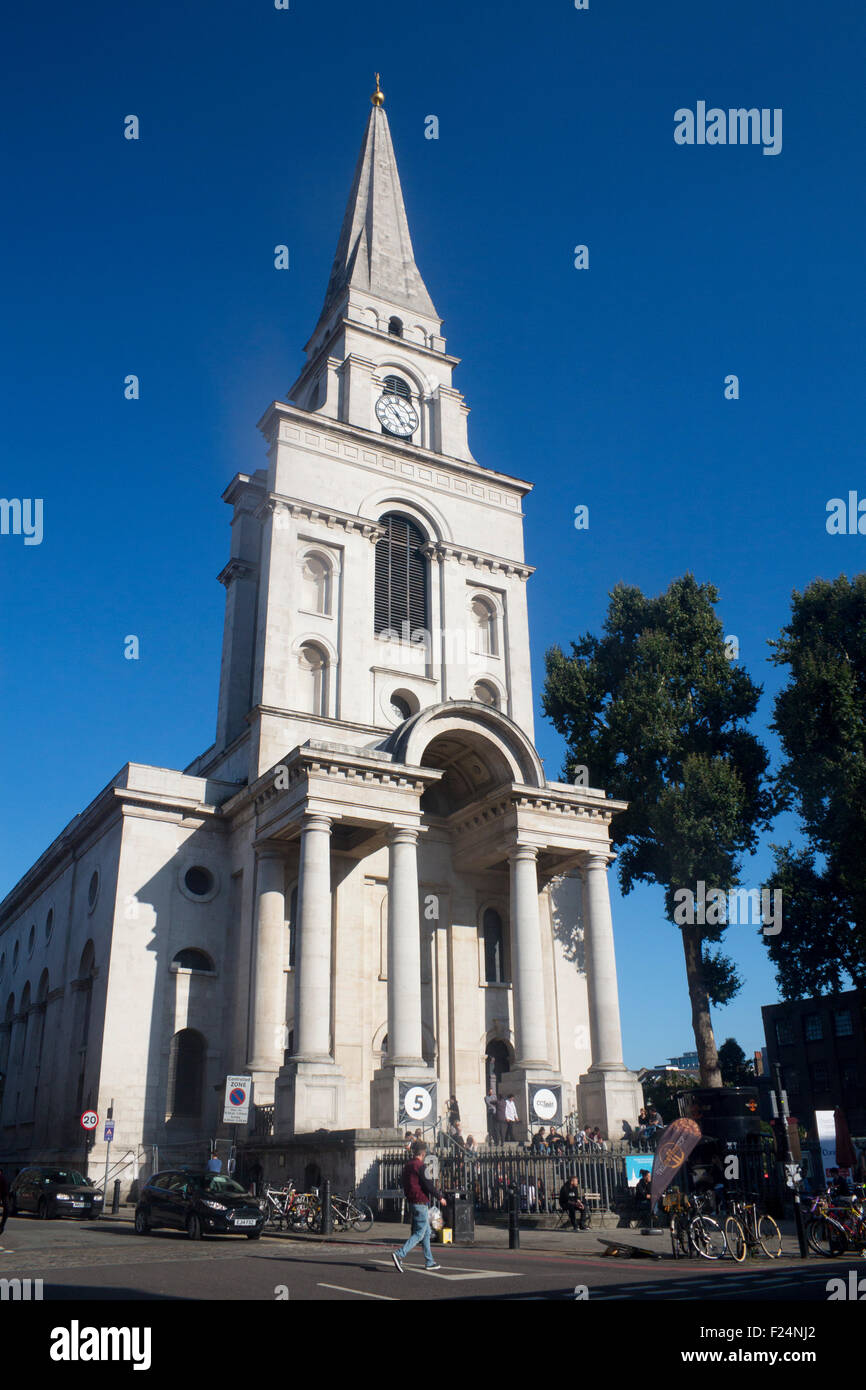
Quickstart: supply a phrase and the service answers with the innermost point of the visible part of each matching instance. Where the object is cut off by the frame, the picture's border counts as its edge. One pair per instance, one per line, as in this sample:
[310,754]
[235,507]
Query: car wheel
[193,1226]
[142,1225]
[42,1209]
[254,1235]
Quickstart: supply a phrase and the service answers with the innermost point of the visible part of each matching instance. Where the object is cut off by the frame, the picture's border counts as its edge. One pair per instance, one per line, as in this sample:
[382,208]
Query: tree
[662,1093]
[656,711]
[820,717]
[736,1071]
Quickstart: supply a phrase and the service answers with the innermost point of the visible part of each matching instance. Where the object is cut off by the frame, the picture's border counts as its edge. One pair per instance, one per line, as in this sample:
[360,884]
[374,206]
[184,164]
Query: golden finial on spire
[378,97]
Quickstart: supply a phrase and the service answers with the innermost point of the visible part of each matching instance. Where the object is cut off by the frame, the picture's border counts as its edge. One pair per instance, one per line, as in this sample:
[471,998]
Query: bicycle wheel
[314,1216]
[735,1239]
[340,1213]
[826,1237]
[361,1216]
[770,1237]
[708,1237]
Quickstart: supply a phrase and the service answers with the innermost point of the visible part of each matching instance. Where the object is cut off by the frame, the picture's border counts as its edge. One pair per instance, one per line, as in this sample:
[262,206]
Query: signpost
[89,1120]
[108,1135]
[236,1106]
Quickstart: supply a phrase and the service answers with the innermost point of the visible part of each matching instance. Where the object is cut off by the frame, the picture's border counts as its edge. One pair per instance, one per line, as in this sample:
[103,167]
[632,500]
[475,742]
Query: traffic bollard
[513,1220]
[327,1214]
[115,1200]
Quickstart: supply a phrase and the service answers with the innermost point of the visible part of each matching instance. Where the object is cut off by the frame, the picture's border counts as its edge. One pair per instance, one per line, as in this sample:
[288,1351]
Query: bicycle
[694,1231]
[746,1231]
[278,1200]
[346,1213]
[832,1229]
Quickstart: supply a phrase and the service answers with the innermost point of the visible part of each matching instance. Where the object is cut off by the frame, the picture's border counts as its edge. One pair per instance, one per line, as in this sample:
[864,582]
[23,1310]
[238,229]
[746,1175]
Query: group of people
[649,1124]
[552,1142]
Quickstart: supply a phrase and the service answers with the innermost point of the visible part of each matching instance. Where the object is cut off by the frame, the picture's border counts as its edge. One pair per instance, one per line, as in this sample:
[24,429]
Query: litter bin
[459,1214]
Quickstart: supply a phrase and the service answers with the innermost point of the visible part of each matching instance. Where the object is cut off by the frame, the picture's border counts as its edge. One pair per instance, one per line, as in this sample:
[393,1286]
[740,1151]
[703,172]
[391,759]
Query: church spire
[374,252]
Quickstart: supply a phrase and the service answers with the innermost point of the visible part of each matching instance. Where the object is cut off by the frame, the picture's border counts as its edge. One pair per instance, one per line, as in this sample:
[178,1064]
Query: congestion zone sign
[89,1120]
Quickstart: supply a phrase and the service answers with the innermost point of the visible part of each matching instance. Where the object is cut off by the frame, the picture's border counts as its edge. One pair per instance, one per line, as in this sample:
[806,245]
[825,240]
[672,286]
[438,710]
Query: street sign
[89,1120]
[108,1134]
[236,1107]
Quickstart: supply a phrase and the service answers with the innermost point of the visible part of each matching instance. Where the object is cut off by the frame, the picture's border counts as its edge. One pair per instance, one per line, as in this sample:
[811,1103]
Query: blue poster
[635,1164]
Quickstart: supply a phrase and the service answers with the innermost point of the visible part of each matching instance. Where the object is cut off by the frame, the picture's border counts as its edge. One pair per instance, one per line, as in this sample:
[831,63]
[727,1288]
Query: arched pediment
[476,746]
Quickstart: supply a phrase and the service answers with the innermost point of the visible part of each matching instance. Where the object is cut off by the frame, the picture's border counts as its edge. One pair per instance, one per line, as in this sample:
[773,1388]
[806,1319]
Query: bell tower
[378,323]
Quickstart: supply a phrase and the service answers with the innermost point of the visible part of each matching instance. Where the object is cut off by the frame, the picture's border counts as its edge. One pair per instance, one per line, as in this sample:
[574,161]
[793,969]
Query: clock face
[396,415]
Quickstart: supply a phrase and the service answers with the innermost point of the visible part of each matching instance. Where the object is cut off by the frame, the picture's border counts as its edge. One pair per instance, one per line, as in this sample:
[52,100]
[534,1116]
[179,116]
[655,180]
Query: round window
[93,888]
[199,881]
[400,708]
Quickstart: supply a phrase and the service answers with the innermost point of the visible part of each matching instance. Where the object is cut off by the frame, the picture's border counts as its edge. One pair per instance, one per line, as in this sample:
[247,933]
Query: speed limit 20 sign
[417,1102]
[89,1120]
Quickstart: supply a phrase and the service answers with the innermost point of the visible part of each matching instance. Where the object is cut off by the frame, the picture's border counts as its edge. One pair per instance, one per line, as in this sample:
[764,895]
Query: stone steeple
[378,324]
[374,252]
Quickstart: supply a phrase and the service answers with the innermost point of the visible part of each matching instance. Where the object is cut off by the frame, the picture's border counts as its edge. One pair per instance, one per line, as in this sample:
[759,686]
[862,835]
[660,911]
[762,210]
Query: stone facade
[367,879]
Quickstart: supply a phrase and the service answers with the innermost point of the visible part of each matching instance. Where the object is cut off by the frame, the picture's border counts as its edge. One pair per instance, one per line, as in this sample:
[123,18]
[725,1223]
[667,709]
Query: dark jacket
[417,1187]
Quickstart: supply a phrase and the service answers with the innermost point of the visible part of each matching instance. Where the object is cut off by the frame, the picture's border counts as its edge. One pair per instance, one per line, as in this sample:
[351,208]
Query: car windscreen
[67,1177]
[218,1183]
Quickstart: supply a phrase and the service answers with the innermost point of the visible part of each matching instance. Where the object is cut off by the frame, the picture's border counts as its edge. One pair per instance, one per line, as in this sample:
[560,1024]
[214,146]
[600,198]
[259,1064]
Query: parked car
[199,1203]
[51,1191]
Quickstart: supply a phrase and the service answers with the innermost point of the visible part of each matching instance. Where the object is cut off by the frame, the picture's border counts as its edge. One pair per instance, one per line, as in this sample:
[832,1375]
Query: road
[106,1260]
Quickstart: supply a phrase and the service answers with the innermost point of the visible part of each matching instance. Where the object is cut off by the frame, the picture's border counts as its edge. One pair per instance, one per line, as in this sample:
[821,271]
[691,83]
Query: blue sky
[604,386]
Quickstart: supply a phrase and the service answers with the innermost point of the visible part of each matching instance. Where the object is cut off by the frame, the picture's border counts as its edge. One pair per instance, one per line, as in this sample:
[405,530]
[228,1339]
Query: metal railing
[263,1121]
[489,1175]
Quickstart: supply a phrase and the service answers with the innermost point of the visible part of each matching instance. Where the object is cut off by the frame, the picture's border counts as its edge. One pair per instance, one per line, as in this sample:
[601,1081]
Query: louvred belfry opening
[401,578]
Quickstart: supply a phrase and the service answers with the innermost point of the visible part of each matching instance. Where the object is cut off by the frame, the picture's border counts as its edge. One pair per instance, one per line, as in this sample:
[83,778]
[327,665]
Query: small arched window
[316,584]
[486,694]
[484,627]
[494,948]
[313,684]
[401,578]
[190,958]
[395,327]
[186,1074]
[396,386]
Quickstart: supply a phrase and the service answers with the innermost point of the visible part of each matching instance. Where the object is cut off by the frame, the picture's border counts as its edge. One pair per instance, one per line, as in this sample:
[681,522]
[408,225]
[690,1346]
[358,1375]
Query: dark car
[53,1191]
[199,1203]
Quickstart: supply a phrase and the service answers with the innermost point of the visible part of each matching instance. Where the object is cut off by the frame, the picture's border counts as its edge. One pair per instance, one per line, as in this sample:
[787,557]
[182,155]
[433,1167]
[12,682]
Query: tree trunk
[701,1023]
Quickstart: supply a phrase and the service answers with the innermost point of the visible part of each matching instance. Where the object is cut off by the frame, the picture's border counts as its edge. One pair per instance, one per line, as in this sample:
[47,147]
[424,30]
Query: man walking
[419,1191]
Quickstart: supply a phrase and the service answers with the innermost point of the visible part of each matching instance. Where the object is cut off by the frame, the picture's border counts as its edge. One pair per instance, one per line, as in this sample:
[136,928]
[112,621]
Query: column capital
[599,859]
[402,834]
[270,849]
[524,851]
[315,820]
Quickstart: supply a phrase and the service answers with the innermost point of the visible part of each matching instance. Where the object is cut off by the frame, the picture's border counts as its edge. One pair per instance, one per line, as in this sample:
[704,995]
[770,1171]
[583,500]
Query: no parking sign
[236,1108]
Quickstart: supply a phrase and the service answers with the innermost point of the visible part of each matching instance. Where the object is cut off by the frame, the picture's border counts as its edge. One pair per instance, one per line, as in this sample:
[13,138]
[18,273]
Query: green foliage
[735,1069]
[820,717]
[662,1093]
[656,711]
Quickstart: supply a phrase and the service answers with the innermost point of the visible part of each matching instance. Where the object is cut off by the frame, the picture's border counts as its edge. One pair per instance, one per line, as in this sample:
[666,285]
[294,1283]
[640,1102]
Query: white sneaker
[432,1266]
[398,1263]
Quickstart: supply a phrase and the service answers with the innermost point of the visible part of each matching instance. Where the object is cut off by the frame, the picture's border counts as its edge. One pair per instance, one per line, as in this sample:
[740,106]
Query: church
[365,895]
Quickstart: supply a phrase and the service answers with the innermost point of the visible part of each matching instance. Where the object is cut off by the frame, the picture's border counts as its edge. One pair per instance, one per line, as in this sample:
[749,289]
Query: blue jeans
[420,1232]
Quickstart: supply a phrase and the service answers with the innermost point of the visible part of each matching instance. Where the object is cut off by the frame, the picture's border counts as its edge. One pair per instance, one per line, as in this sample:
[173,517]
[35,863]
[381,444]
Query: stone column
[604,1025]
[313,952]
[269,990]
[404,950]
[527,963]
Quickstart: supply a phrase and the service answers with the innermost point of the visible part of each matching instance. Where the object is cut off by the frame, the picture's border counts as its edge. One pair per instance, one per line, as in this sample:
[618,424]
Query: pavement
[534,1236]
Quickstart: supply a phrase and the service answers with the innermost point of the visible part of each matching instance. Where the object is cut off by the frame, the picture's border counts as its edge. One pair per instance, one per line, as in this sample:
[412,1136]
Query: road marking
[458,1272]
[360,1292]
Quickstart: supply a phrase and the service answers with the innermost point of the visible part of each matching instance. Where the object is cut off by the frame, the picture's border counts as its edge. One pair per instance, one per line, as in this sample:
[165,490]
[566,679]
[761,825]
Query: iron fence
[488,1176]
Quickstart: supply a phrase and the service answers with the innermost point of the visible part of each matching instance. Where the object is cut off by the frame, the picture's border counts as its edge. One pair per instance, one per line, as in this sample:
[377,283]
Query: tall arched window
[401,578]
[313,684]
[484,627]
[316,584]
[395,327]
[186,1074]
[494,948]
